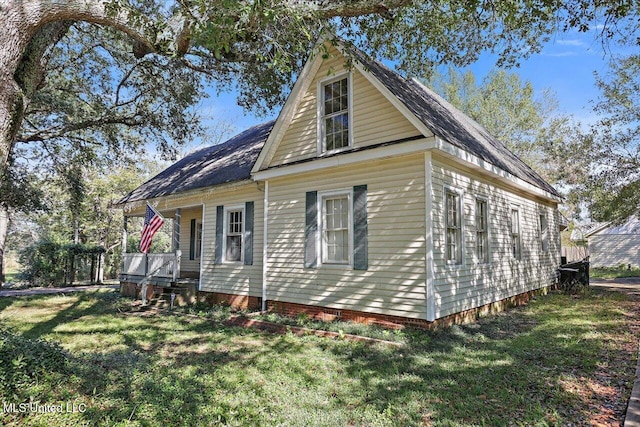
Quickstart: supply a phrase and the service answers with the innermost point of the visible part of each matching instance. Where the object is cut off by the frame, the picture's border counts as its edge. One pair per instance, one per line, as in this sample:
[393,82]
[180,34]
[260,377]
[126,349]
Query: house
[611,245]
[369,198]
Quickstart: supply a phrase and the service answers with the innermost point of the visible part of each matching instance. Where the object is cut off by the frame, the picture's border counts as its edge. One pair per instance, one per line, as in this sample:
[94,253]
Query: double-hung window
[544,233]
[482,231]
[198,244]
[233,239]
[336,229]
[515,233]
[334,114]
[234,234]
[453,227]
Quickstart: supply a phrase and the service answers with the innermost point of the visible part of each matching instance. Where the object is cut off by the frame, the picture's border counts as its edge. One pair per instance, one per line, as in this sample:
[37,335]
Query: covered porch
[174,258]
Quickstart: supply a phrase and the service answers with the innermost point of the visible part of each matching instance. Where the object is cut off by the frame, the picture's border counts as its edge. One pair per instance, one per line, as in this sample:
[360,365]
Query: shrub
[51,263]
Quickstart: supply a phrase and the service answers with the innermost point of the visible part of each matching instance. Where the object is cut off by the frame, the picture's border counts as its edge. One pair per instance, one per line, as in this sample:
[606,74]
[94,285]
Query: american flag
[152,223]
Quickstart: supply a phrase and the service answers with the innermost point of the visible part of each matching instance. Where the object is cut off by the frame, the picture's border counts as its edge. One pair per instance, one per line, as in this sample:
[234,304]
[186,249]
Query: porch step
[185,293]
[159,303]
[186,282]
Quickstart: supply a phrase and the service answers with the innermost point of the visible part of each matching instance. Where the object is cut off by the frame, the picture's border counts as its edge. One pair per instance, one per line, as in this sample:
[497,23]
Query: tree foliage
[256,47]
[89,217]
[613,190]
[102,103]
[530,125]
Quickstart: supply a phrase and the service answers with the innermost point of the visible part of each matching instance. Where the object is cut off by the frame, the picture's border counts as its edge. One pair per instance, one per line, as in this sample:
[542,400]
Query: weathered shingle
[219,164]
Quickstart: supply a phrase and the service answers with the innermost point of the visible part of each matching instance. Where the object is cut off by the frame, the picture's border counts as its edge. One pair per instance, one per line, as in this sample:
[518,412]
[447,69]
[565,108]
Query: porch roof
[219,164]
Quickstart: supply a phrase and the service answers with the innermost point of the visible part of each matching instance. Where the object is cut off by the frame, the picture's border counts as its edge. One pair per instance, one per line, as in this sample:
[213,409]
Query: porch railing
[161,265]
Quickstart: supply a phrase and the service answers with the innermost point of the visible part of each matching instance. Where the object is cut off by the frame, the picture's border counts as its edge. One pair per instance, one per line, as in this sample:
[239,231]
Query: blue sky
[566,65]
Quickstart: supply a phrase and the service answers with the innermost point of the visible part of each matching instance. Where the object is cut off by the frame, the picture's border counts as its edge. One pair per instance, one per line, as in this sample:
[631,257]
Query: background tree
[530,125]
[612,191]
[84,215]
[99,105]
[257,46]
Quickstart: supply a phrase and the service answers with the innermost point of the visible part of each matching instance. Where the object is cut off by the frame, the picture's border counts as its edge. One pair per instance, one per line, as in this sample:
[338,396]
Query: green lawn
[613,272]
[560,360]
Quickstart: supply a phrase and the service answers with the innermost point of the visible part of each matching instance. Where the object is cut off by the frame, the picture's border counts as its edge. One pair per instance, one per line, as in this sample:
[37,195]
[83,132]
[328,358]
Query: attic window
[334,113]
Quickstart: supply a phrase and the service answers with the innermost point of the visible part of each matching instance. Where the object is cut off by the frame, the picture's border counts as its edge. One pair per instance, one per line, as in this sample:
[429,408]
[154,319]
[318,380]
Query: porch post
[176,245]
[176,231]
[124,241]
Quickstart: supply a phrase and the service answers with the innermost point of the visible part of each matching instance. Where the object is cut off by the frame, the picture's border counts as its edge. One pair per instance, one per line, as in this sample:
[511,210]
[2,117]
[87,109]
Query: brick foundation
[397,322]
[241,302]
[326,314]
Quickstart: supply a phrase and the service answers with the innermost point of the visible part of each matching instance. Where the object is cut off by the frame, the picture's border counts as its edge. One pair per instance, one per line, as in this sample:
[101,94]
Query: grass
[221,313]
[560,360]
[613,272]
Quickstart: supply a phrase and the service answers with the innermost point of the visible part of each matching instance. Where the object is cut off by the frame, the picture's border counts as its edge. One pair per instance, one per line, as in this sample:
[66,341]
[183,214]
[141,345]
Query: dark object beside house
[574,275]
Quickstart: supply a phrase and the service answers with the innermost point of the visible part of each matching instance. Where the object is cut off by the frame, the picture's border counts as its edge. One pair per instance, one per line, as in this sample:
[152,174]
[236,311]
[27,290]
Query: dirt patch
[628,285]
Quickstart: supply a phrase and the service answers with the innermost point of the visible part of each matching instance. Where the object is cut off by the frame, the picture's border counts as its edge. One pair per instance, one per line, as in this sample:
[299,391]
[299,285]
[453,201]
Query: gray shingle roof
[219,164]
[450,124]
[233,160]
[630,226]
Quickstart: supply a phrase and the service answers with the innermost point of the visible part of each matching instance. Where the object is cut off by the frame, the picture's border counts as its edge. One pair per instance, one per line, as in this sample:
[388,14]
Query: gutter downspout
[265,245]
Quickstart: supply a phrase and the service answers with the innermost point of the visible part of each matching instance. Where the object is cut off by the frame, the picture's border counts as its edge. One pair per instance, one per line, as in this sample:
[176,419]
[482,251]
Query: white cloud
[572,42]
[560,54]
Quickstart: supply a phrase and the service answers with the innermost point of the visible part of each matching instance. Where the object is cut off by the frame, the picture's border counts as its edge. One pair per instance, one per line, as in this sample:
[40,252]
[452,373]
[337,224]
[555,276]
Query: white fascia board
[393,150]
[171,201]
[475,162]
[288,111]
[596,230]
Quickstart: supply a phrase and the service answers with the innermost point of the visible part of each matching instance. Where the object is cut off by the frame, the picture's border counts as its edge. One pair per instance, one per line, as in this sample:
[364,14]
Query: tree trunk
[4,229]
[100,272]
[29,28]
[27,78]
[20,21]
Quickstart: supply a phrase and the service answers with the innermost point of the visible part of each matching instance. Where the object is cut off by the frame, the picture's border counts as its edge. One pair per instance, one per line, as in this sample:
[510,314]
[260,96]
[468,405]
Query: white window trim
[511,209]
[225,229]
[321,247]
[320,111]
[461,250]
[488,229]
[198,242]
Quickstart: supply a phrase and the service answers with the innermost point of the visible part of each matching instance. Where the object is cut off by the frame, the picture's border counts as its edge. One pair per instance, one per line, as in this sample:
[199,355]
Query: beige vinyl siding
[611,250]
[394,283]
[374,119]
[186,215]
[233,278]
[473,284]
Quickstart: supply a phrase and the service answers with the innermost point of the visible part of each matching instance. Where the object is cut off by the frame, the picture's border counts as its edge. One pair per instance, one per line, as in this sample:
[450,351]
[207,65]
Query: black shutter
[192,240]
[311,230]
[360,228]
[219,232]
[248,233]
